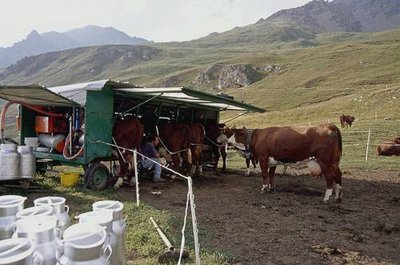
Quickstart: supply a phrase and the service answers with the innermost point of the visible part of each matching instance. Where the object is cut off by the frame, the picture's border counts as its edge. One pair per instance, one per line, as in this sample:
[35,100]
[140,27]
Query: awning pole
[140,104]
[237,116]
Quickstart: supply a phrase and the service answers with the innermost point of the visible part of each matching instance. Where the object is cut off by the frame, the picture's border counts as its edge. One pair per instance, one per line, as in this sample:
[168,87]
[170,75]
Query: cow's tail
[339,136]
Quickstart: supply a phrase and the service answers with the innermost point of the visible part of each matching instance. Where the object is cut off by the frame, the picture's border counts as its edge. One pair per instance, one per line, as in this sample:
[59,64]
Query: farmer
[149,150]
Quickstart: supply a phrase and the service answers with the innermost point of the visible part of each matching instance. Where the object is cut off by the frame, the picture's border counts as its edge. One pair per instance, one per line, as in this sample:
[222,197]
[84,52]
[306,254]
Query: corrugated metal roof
[189,97]
[76,94]
[34,95]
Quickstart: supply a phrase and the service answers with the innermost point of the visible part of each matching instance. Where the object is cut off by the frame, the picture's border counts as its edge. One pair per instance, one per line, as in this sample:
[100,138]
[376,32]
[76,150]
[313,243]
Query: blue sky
[157,20]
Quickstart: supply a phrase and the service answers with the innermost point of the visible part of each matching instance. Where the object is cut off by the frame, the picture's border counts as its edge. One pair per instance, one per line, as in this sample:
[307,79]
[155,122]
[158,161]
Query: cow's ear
[244,128]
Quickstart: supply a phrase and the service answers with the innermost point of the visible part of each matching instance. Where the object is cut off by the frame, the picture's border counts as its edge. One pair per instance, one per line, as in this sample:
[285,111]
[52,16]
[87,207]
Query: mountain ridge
[36,43]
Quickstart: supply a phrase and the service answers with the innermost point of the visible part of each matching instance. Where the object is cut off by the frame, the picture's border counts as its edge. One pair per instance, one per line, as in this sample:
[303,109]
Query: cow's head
[237,136]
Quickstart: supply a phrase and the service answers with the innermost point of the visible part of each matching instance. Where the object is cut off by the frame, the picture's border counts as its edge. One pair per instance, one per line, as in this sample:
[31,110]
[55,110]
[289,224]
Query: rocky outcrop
[272,68]
[342,15]
[221,76]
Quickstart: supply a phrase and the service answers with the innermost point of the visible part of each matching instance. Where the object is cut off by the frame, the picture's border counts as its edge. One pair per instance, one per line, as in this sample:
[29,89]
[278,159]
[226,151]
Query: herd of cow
[319,146]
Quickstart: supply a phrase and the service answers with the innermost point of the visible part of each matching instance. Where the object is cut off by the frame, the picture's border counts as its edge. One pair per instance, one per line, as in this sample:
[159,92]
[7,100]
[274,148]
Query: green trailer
[88,110]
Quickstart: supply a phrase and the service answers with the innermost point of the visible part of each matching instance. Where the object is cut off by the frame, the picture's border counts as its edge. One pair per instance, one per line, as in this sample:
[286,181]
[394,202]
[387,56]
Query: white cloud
[158,20]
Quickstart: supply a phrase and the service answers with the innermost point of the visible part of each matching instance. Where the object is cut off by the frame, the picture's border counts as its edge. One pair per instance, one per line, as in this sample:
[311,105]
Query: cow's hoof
[339,200]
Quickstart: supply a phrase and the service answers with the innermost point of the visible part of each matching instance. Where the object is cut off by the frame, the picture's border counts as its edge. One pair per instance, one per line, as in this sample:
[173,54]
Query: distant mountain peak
[33,34]
[90,35]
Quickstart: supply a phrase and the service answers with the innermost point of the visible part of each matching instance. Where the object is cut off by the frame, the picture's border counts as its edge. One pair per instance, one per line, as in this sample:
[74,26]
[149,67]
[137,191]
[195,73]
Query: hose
[66,153]
[36,109]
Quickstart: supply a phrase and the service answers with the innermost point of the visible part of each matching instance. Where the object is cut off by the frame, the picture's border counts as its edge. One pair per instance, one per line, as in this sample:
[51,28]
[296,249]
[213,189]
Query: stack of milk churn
[42,234]
[16,162]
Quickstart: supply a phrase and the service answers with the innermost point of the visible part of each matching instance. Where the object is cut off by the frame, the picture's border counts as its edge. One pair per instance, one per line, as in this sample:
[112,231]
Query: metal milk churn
[84,244]
[27,162]
[60,210]
[18,251]
[44,210]
[9,206]
[41,231]
[9,162]
[119,225]
[105,219]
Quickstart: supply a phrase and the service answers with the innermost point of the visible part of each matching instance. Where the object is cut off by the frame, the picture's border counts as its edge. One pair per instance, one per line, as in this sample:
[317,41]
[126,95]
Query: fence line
[190,197]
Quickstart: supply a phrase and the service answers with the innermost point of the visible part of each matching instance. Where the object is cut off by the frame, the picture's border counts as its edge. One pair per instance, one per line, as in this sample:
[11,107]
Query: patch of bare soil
[292,225]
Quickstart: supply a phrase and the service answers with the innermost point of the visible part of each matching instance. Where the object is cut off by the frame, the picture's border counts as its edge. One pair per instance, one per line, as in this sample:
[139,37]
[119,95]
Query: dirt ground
[292,225]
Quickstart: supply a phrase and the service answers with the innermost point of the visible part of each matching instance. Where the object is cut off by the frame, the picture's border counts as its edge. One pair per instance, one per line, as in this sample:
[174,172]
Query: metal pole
[366,152]
[194,223]
[136,176]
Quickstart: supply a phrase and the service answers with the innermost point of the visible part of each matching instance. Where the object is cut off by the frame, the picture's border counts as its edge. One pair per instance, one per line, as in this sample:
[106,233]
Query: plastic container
[69,179]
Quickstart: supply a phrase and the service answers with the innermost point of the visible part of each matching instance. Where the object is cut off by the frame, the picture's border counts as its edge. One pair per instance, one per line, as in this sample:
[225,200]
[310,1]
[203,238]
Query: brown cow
[389,148]
[127,133]
[290,145]
[176,139]
[346,120]
[197,133]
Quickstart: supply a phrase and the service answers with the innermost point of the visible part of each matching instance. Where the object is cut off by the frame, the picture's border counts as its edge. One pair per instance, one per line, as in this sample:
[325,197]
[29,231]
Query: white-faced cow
[293,144]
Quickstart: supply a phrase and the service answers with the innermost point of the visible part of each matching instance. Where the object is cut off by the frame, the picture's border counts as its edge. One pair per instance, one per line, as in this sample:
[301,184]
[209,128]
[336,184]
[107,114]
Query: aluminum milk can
[84,244]
[105,219]
[118,227]
[27,162]
[60,210]
[44,210]
[18,251]
[41,231]
[9,162]
[9,206]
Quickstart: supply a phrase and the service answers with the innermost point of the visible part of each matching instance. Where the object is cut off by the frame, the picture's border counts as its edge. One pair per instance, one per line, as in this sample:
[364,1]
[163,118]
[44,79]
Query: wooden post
[136,177]
[194,222]
[366,152]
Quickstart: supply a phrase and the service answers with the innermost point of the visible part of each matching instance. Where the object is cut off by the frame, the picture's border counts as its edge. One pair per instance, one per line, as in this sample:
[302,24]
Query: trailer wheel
[97,176]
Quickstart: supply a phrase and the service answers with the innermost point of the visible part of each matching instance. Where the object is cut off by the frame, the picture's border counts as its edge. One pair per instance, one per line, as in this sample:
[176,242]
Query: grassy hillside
[359,74]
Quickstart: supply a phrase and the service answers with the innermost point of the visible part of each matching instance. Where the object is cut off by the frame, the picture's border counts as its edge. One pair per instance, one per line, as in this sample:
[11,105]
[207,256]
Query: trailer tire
[97,176]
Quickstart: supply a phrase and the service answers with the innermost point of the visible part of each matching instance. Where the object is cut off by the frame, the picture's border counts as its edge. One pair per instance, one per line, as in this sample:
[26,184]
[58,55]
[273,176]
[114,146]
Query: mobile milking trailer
[79,118]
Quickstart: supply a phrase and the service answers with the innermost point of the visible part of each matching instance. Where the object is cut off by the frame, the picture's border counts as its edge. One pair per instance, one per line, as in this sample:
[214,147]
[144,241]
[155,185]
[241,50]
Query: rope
[214,143]
[120,153]
[133,150]
[190,200]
